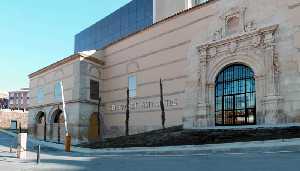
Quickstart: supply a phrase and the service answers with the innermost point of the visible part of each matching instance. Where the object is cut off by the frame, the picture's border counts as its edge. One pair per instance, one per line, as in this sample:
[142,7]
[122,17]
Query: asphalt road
[56,160]
[213,162]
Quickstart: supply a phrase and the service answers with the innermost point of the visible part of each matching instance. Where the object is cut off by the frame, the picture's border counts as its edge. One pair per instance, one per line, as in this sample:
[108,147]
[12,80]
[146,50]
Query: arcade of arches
[53,129]
[50,129]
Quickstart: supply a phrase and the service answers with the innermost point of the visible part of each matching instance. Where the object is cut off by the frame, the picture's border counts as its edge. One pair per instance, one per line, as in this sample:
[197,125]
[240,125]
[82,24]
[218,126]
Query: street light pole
[127,114]
[98,115]
[45,127]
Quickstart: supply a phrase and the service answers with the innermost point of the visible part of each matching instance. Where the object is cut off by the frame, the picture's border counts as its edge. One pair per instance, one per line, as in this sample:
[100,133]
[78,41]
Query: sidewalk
[238,147]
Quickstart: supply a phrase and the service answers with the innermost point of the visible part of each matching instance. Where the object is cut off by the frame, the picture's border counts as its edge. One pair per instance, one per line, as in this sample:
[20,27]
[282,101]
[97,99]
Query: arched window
[235,98]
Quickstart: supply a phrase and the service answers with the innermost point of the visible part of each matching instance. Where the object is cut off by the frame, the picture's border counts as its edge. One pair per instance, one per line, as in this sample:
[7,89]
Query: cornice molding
[65,61]
[243,36]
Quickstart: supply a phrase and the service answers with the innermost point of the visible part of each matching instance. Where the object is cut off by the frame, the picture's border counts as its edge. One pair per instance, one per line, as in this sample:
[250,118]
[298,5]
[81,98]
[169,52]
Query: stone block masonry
[8,117]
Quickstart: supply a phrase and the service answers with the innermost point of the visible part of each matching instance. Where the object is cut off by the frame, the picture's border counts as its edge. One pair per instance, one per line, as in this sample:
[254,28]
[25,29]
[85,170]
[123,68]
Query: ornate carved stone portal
[255,49]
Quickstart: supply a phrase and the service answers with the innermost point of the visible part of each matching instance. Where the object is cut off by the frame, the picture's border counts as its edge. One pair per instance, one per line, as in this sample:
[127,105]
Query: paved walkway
[280,155]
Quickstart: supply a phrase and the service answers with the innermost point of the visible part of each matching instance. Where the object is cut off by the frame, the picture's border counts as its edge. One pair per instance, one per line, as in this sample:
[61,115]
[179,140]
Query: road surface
[56,160]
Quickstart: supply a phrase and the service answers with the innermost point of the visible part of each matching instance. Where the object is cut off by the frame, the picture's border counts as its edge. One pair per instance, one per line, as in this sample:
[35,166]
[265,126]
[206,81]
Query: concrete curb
[238,147]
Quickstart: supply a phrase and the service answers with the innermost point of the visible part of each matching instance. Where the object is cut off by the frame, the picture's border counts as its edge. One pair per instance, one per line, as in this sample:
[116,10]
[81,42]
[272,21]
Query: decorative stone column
[203,103]
[272,98]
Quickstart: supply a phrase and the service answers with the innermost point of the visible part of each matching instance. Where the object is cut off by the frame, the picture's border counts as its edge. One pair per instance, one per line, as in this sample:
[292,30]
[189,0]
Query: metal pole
[98,116]
[127,114]
[64,106]
[38,160]
[45,127]
[20,129]
[162,106]
[58,133]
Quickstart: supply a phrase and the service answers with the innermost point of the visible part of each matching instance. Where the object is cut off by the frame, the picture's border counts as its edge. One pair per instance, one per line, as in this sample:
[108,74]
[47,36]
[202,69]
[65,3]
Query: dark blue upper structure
[134,16]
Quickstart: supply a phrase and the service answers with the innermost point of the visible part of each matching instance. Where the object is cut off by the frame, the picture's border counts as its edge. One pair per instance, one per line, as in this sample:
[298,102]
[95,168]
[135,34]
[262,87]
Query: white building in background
[165,8]
[3,94]
[18,100]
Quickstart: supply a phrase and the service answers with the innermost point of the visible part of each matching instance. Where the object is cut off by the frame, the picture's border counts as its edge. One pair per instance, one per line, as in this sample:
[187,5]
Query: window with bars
[94,90]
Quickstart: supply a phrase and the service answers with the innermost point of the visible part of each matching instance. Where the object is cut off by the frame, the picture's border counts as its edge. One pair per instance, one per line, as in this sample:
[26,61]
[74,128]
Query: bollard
[38,159]
[22,146]
[68,139]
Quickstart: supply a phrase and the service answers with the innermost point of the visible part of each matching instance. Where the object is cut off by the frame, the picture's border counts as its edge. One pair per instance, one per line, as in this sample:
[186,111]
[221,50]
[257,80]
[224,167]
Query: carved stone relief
[224,22]
[240,49]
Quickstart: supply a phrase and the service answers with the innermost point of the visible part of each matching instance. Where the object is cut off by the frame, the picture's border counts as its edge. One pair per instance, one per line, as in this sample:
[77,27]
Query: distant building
[18,100]
[13,119]
[3,100]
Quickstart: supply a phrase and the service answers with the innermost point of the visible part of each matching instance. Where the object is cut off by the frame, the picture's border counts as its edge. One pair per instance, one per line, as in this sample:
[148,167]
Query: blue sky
[36,33]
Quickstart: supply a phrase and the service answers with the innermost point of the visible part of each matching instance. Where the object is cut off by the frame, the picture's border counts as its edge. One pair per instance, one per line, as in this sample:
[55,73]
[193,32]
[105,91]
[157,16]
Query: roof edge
[160,22]
[56,64]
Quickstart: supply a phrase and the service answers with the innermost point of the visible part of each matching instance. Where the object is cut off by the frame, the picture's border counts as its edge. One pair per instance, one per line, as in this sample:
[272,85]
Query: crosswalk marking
[285,151]
[235,153]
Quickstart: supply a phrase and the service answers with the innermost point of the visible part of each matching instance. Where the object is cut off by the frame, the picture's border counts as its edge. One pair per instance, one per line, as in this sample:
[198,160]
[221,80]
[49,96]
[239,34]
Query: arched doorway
[58,128]
[93,128]
[40,126]
[235,96]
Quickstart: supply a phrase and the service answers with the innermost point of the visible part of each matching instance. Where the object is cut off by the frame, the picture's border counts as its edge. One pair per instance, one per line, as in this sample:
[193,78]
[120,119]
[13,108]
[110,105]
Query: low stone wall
[177,136]
[6,116]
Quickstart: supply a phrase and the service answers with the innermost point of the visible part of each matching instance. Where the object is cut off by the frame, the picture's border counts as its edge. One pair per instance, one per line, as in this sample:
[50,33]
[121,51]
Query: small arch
[57,125]
[94,72]
[58,75]
[57,117]
[40,117]
[132,67]
[40,126]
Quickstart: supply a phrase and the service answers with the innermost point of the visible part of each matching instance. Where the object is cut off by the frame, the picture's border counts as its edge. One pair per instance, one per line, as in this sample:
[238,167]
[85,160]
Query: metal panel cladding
[134,16]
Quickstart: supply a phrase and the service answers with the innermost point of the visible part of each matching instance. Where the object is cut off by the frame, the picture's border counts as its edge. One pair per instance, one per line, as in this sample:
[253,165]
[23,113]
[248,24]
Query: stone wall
[6,116]
[265,41]
[177,136]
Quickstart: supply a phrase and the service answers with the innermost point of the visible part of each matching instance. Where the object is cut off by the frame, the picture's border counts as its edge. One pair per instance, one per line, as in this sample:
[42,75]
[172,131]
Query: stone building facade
[224,64]
[45,112]
[252,34]
[13,119]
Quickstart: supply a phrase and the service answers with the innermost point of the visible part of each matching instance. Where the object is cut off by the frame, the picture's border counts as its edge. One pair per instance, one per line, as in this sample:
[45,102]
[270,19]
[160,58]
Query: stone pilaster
[272,98]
